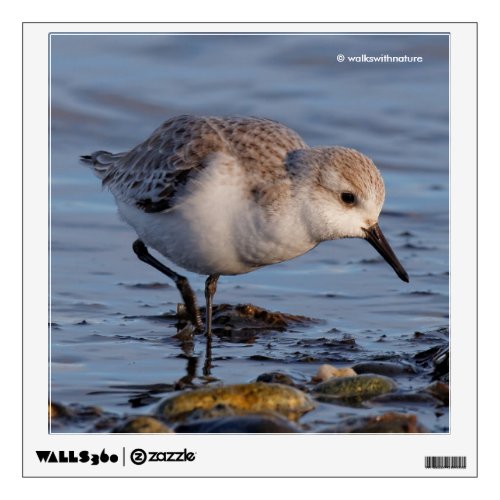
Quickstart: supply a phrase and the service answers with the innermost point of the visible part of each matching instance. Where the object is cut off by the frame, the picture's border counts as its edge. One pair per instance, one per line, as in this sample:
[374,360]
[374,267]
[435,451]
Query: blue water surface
[111,91]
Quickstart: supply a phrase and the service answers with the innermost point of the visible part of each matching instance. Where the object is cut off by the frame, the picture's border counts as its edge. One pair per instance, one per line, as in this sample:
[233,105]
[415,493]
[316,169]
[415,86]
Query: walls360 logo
[83,457]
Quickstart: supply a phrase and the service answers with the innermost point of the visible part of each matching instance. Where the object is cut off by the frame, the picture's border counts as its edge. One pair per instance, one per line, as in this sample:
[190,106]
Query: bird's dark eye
[348,198]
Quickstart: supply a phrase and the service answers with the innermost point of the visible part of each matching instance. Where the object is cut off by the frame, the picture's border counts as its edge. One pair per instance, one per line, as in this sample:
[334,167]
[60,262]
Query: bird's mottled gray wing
[154,172]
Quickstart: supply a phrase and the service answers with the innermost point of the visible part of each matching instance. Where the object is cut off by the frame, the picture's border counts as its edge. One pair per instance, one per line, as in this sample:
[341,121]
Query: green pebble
[361,386]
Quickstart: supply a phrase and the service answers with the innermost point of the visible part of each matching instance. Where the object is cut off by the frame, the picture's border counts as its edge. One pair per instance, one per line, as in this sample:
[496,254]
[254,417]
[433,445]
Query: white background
[11,238]
[247,455]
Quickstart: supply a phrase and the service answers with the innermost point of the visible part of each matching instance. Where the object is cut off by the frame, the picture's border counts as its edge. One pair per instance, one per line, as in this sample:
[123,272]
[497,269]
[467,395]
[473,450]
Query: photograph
[249,233]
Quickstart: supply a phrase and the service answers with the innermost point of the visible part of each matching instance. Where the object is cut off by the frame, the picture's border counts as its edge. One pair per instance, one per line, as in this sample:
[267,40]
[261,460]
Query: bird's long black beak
[377,240]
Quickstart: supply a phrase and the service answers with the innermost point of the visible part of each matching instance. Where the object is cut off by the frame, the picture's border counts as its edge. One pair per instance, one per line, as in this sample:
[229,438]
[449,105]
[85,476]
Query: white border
[287,456]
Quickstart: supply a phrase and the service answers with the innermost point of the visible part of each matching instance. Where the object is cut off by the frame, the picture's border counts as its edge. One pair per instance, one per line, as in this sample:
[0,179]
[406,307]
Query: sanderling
[228,195]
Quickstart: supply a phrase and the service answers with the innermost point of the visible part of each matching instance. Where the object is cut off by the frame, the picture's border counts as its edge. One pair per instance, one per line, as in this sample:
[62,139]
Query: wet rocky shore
[371,396]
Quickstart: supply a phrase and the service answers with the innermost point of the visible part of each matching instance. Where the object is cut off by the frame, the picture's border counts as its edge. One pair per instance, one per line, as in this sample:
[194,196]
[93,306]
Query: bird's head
[342,193]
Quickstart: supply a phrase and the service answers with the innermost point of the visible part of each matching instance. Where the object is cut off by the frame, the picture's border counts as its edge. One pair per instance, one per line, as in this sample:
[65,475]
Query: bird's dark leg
[210,289]
[207,366]
[182,283]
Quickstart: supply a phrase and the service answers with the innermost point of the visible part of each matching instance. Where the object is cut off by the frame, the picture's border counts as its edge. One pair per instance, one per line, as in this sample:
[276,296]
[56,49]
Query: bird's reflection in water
[187,347]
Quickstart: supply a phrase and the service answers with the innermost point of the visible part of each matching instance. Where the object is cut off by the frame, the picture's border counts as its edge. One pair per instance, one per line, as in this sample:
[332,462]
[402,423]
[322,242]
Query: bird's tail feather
[100,161]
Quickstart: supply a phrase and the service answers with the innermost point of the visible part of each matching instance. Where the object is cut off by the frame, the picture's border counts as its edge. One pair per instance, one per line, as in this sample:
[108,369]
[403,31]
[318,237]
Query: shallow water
[110,92]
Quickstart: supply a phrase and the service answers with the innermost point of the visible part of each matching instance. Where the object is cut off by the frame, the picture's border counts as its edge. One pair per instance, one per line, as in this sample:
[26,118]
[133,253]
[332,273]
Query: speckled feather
[154,172]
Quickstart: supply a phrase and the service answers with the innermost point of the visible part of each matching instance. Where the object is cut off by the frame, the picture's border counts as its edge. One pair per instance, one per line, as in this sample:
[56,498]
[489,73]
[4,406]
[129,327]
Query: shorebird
[229,195]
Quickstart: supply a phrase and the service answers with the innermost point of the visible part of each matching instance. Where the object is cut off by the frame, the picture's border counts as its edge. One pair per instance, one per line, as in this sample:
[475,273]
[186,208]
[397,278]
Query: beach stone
[106,423]
[328,371]
[243,398]
[57,410]
[391,422]
[361,387]
[74,412]
[275,378]
[227,317]
[75,415]
[441,391]
[143,424]
[241,424]
[383,368]
[217,411]
[406,399]
[442,365]
[278,378]
[436,358]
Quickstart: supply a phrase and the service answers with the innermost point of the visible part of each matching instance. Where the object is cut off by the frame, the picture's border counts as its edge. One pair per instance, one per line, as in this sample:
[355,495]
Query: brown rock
[143,424]
[242,398]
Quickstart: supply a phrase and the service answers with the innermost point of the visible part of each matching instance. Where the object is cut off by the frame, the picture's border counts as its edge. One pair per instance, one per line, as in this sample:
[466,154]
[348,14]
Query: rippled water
[110,91]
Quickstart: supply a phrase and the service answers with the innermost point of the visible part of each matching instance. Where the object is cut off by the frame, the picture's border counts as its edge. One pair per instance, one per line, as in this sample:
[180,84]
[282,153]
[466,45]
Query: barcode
[445,462]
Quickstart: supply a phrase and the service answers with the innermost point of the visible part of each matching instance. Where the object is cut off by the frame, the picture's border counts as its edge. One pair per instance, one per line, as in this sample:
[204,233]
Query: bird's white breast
[218,227]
